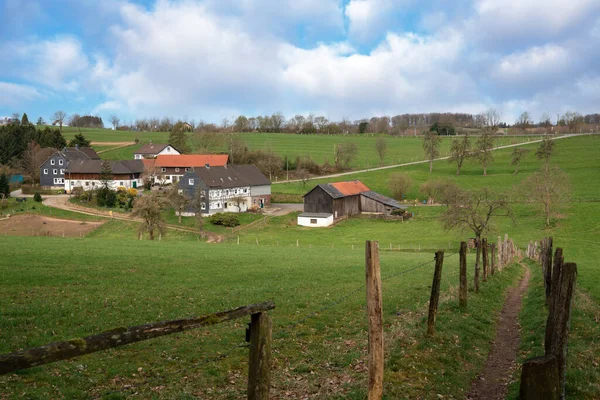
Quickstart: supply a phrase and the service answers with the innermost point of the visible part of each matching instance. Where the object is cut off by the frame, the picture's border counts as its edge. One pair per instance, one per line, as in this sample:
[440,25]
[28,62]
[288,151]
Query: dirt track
[37,225]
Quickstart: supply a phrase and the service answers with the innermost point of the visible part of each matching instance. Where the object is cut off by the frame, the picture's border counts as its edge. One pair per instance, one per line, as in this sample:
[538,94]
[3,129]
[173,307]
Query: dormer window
[187,170]
[163,170]
[176,169]
[191,182]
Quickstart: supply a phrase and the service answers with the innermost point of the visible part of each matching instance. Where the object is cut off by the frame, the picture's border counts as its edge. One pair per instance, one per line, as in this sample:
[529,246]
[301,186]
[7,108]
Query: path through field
[492,383]
[421,161]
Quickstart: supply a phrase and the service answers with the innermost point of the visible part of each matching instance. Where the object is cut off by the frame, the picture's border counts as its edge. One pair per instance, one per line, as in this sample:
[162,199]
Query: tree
[431,145]
[399,185]
[40,121]
[114,120]
[381,146]
[572,120]
[178,200]
[200,206]
[344,154]
[24,119]
[4,186]
[524,121]
[483,150]
[544,152]
[443,128]
[545,120]
[475,211]
[16,118]
[442,191]
[362,126]
[149,209]
[517,155]
[59,118]
[238,201]
[31,161]
[106,174]
[241,124]
[490,120]
[303,175]
[177,137]
[459,151]
[79,141]
[549,189]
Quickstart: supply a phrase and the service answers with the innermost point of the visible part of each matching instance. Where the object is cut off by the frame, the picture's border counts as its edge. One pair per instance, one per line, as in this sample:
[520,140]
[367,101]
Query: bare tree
[549,189]
[545,120]
[517,155]
[303,175]
[238,201]
[399,185]
[200,206]
[59,118]
[206,141]
[31,161]
[545,151]
[149,209]
[443,191]
[381,146]
[484,147]
[490,120]
[114,120]
[572,119]
[524,121]
[475,211]
[178,199]
[344,154]
[459,151]
[431,145]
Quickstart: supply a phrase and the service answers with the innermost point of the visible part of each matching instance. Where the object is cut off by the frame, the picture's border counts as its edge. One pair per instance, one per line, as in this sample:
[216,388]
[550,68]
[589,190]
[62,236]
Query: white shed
[315,219]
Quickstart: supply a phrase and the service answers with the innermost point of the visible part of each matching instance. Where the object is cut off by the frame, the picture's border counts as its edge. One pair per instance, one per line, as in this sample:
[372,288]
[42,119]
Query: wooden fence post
[375,316]
[493,259]
[462,292]
[564,304]
[556,273]
[505,260]
[477,256]
[548,268]
[259,365]
[484,248]
[499,253]
[539,379]
[435,292]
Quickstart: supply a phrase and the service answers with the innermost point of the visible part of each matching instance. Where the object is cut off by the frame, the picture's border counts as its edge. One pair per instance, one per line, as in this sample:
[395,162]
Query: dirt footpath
[37,225]
[491,384]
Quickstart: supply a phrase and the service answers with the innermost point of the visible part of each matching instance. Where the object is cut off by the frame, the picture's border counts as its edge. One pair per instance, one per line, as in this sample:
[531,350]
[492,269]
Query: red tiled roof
[350,188]
[149,163]
[192,160]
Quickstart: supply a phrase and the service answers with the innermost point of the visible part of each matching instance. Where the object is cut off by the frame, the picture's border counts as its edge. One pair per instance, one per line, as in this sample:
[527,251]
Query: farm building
[86,174]
[233,188]
[52,171]
[153,150]
[166,169]
[327,203]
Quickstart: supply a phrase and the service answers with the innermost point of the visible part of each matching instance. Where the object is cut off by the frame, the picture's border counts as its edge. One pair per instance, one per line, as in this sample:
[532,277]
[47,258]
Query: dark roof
[382,199]
[80,153]
[315,215]
[152,148]
[119,167]
[231,176]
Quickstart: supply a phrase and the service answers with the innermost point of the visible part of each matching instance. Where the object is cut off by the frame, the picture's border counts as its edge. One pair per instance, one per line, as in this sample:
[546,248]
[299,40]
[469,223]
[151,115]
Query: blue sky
[214,59]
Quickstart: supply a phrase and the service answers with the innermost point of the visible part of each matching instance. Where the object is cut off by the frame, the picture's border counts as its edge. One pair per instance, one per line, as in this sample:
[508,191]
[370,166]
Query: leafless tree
[178,199]
[431,145]
[238,201]
[59,118]
[381,146]
[443,191]
[517,155]
[114,120]
[572,120]
[545,121]
[344,154]
[459,151]
[199,205]
[303,175]
[31,161]
[545,151]
[149,209]
[490,120]
[549,189]
[524,121]
[484,147]
[399,185]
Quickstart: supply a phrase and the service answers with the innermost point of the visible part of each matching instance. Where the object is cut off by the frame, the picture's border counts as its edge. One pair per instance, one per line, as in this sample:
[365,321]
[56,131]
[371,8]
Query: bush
[399,185]
[106,198]
[37,197]
[225,219]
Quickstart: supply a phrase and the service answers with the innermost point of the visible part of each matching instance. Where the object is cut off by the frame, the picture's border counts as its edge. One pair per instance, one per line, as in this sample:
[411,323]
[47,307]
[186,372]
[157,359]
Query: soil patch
[492,383]
[37,225]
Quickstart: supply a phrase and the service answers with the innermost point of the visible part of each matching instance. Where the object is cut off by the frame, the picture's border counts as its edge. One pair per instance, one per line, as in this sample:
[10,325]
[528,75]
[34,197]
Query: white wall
[321,222]
[96,184]
[169,151]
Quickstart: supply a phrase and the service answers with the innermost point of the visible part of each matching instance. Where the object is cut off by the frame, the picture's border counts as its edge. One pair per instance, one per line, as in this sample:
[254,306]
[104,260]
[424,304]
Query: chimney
[207,166]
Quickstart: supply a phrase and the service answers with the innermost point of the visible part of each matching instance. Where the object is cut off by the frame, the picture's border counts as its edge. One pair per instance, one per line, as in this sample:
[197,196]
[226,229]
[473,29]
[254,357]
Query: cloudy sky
[211,59]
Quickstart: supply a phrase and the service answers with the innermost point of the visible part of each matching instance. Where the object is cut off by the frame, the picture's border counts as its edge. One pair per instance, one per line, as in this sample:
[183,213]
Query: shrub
[399,185]
[37,197]
[225,219]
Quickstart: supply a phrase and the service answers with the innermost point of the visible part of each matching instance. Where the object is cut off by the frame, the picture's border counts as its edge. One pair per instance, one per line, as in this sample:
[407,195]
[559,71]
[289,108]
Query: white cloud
[13,94]
[534,64]
[369,18]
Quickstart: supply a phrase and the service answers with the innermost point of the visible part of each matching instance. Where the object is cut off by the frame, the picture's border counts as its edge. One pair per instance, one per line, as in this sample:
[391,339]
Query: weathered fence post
[499,253]
[539,379]
[477,256]
[556,273]
[435,292]
[548,268]
[484,248]
[259,365]
[563,306]
[493,258]
[375,316]
[505,260]
[462,292]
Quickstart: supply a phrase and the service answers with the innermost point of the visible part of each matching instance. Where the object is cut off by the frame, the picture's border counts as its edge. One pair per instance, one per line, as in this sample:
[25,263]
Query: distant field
[109,135]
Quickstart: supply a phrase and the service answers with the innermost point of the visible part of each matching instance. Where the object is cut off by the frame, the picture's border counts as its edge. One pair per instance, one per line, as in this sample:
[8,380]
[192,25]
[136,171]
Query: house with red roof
[329,202]
[167,169]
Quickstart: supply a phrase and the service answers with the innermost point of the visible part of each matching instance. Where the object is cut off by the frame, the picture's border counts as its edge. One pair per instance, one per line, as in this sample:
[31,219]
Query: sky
[212,59]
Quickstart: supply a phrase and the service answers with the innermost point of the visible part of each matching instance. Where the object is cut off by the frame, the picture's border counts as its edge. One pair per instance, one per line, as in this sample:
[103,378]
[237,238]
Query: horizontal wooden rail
[58,351]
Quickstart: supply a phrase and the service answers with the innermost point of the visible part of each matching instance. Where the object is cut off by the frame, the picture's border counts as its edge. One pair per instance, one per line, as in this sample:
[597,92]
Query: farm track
[492,383]
[421,161]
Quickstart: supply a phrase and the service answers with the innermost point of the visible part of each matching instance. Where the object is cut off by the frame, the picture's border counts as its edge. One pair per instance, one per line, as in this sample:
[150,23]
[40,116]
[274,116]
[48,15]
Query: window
[58,181]
[225,206]
[45,172]
[163,170]
[52,162]
[87,183]
[202,206]
[226,192]
[218,205]
[121,183]
[313,220]
[245,190]
[177,170]
[60,162]
[62,171]
[55,171]
[191,182]
[187,170]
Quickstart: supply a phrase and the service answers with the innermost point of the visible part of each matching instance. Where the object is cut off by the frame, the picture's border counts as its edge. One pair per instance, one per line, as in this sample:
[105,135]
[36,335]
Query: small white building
[315,219]
[153,150]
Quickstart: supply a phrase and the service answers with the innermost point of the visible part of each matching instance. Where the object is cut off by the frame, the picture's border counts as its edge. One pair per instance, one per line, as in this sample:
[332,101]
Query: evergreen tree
[4,185]
[40,122]
[177,137]
[79,140]
[24,120]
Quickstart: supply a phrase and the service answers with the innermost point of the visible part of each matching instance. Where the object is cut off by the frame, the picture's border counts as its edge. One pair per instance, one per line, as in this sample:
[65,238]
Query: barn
[341,200]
